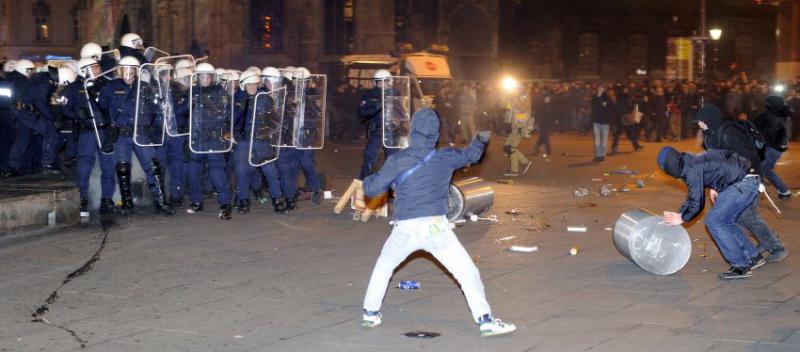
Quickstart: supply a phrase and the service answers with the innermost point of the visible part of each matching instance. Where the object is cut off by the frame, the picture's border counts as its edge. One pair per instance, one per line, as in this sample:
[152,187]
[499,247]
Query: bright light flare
[5,92]
[779,88]
[509,84]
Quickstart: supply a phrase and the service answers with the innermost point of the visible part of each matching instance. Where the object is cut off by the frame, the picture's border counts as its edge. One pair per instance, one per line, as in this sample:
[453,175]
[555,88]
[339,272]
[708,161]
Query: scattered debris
[506,181]
[513,211]
[598,179]
[587,205]
[576,228]
[538,225]
[640,183]
[625,189]
[564,154]
[408,285]
[624,172]
[523,249]
[608,229]
[476,258]
[605,190]
[507,238]
[581,192]
[238,336]
[573,250]
[327,195]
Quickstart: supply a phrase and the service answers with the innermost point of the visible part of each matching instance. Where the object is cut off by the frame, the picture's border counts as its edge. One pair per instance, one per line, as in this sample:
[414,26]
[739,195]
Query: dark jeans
[631,131]
[734,245]
[544,140]
[770,160]
[753,222]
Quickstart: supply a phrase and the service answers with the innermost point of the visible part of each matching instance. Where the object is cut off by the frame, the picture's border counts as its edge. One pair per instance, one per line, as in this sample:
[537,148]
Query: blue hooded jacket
[424,193]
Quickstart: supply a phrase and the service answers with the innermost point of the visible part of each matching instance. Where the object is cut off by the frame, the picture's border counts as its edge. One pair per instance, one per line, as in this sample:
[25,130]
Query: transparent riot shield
[265,127]
[63,63]
[289,112]
[152,54]
[178,91]
[210,118]
[99,119]
[309,116]
[396,111]
[153,105]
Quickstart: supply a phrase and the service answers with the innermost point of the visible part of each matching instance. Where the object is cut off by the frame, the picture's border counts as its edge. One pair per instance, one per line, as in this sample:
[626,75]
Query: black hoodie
[723,134]
[772,123]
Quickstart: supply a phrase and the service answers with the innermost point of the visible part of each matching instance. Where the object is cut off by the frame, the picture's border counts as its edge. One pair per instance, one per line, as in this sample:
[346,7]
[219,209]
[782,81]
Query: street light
[715,33]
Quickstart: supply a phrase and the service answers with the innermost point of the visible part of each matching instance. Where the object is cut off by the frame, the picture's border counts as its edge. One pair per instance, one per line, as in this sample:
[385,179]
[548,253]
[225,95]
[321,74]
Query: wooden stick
[355,185]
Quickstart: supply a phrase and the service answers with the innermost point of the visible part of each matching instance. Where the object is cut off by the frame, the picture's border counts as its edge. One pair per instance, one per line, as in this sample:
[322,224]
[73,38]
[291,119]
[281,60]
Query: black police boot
[279,204]
[84,208]
[107,206]
[49,170]
[194,208]
[316,197]
[124,180]
[225,212]
[176,202]
[291,203]
[157,189]
[244,206]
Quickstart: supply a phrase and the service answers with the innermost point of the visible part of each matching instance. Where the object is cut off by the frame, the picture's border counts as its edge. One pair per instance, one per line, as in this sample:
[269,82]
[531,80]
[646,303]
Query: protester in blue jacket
[734,186]
[420,176]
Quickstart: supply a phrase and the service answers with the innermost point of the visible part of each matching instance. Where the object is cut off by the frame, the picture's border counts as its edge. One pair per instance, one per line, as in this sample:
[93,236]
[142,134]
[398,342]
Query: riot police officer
[267,122]
[131,44]
[175,152]
[118,100]
[34,114]
[209,116]
[370,111]
[90,124]
[307,156]
[289,159]
[7,78]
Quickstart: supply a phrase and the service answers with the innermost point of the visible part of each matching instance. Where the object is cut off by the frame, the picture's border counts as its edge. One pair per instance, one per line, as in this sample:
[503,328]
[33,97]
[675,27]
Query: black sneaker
[194,208]
[107,206]
[243,207]
[176,202]
[316,197]
[757,262]
[49,171]
[785,195]
[736,273]
[777,256]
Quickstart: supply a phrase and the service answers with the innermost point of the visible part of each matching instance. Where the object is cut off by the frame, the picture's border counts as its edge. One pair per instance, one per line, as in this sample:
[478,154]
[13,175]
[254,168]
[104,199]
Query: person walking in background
[601,116]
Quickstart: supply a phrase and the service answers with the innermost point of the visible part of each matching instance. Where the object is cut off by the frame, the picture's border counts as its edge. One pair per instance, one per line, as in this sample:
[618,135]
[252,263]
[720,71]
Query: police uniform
[175,151]
[118,100]
[245,173]
[370,110]
[216,161]
[9,83]
[33,113]
[76,108]
[307,157]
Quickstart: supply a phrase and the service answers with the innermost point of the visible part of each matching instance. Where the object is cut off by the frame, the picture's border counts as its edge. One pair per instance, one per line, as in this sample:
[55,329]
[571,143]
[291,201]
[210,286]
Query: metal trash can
[470,196]
[651,244]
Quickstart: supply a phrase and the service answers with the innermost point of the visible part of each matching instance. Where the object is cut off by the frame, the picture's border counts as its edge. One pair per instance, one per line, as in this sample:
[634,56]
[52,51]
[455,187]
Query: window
[42,30]
[339,38]
[637,52]
[41,13]
[266,26]
[588,46]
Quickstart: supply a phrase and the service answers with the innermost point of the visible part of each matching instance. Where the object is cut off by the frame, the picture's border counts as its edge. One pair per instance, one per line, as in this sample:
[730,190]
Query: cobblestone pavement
[268,282]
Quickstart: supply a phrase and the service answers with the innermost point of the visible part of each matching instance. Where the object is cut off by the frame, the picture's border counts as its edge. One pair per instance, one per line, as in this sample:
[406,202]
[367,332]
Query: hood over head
[710,115]
[424,129]
[777,105]
[669,160]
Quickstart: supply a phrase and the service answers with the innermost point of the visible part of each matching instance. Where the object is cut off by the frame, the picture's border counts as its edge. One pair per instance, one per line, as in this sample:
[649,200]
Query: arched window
[588,54]
[266,26]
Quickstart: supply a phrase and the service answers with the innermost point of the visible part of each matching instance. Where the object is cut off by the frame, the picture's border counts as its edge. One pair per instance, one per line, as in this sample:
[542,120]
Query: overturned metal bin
[469,196]
[651,244]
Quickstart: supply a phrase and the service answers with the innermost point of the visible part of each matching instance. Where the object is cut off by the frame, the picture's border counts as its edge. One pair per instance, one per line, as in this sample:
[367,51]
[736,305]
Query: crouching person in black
[733,186]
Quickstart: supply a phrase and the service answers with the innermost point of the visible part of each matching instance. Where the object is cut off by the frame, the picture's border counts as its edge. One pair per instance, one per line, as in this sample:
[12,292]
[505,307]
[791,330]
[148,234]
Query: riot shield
[309,112]
[289,110]
[152,54]
[178,90]
[210,119]
[396,111]
[265,127]
[99,118]
[153,105]
[63,63]
[114,53]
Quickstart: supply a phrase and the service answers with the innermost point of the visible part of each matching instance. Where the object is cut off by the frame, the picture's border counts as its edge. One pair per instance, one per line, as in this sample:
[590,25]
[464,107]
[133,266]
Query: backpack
[749,130]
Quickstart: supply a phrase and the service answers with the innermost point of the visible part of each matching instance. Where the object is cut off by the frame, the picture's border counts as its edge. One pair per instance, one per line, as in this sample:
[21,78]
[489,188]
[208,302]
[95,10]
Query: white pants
[432,234]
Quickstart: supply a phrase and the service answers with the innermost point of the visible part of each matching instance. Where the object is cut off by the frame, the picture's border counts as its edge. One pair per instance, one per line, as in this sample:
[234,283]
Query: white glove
[761,188]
